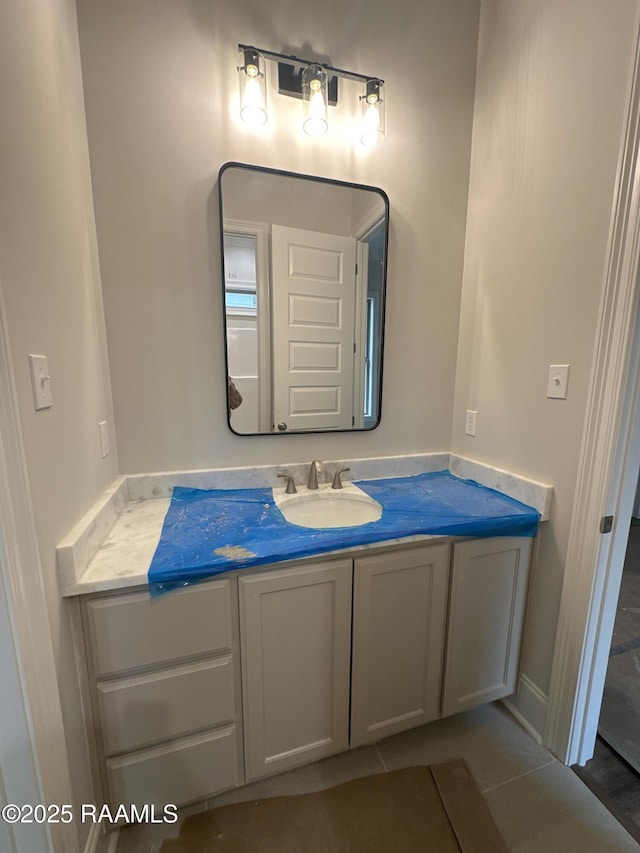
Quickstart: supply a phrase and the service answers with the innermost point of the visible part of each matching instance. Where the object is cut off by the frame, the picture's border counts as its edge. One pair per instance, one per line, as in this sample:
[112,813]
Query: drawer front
[135,630]
[150,708]
[180,772]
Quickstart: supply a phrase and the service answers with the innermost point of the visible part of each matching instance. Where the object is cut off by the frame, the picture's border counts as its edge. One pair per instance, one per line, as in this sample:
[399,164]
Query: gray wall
[552,89]
[161,96]
[51,288]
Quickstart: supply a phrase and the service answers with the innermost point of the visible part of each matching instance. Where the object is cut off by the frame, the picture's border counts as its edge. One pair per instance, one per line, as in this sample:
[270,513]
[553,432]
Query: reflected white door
[313,296]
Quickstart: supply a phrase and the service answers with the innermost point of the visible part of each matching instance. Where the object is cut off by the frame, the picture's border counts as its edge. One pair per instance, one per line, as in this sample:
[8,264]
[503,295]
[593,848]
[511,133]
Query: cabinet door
[488,595]
[400,603]
[295,629]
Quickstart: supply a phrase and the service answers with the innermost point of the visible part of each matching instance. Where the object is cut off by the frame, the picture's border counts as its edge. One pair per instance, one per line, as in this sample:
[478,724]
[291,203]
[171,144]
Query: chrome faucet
[337,482]
[291,486]
[312,482]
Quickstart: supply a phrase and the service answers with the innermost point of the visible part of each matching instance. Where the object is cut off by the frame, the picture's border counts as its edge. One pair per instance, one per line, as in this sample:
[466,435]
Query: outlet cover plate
[558,382]
[470,423]
[105,445]
[40,382]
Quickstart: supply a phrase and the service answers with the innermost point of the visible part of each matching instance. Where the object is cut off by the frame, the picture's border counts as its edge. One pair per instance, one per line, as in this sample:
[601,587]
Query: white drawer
[179,772]
[136,630]
[153,707]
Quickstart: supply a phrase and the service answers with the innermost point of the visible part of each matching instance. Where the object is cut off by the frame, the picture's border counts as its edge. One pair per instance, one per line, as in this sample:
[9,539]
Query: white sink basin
[326,507]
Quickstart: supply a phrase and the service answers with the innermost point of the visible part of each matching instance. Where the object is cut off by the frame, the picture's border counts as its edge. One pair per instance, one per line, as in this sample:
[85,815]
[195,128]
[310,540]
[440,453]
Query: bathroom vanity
[259,671]
[256,670]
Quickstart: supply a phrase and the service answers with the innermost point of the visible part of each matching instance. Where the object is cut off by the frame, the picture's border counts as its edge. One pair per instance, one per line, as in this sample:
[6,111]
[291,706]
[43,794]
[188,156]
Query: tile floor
[613,774]
[615,783]
[620,711]
[539,805]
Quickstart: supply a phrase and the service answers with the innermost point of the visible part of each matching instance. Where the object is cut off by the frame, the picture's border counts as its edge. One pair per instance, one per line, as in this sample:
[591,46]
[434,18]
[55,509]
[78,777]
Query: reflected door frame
[260,230]
[362,233]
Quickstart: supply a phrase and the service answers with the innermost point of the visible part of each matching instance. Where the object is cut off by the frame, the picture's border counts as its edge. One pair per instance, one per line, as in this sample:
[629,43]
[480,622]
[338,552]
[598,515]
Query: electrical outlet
[470,423]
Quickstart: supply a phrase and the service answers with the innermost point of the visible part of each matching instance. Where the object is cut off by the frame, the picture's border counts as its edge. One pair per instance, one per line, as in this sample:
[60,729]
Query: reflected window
[240,293]
[368,379]
[238,302]
[375,241]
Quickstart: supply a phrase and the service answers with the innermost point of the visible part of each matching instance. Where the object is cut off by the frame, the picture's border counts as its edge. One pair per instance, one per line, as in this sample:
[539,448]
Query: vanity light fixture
[314,94]
[372,114]
[313,82]
[253,89]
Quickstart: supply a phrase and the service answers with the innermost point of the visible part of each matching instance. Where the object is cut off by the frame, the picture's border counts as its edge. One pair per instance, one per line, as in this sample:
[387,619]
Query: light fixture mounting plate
[290,81]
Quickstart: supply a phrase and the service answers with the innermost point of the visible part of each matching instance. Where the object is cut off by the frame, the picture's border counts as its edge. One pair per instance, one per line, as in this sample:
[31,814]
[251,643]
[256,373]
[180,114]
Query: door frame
[43,766]
[610,448]
[259,230]
[359,333]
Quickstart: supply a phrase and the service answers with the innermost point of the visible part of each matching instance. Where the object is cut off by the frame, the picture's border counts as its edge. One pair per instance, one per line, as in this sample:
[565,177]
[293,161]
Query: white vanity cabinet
[489,579]
[399,622]
[165,693]
[295,626]
[258,671]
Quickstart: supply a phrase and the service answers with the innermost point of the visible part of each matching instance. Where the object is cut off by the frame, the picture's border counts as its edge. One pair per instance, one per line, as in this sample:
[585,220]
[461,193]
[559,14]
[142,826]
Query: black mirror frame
[315,179]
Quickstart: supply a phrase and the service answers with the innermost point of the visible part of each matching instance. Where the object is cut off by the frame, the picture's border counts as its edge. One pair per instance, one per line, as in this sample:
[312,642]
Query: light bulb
[253,94]
[371,135]
[314,93]
[316,124]
[373,115]
[252,109]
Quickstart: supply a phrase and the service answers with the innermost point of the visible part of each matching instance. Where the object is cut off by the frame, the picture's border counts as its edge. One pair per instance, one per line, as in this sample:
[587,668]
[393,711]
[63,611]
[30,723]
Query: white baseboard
[529,707]
[93,839]
[101,842]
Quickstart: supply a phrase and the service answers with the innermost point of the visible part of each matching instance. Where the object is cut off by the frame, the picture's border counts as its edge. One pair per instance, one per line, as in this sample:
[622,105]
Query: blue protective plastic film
[210,531]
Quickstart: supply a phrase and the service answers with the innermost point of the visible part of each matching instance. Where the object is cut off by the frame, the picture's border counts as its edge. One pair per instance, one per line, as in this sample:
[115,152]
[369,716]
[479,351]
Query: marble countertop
[125,555]
[112,546]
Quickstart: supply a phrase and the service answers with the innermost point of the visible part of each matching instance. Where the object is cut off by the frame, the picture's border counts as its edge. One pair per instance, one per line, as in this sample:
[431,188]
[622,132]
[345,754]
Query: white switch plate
[558,381]
[40,382]
[104,438]
[470,422]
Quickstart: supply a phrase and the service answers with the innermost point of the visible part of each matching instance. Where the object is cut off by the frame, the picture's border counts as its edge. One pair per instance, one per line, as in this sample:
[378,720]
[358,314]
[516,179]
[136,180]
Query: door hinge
[606,524]
[356,269]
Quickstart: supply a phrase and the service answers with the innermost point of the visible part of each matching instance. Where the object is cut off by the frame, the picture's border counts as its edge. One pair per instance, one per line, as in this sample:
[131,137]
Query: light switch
[40,382]
[558,381]
[470,422]
[104,439]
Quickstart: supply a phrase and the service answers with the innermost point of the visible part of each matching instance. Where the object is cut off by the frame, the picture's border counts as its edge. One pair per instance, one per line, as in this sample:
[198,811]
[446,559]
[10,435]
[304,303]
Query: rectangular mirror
[304,264]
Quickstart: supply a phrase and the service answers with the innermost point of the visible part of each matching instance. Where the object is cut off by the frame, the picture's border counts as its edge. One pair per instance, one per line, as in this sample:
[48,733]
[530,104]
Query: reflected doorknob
[282,426]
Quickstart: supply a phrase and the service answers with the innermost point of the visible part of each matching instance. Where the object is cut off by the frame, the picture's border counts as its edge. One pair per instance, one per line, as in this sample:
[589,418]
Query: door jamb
[585,618]
[21,577]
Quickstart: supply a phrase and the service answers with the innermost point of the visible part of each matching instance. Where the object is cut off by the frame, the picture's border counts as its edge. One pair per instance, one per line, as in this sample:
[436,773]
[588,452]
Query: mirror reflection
[304,273]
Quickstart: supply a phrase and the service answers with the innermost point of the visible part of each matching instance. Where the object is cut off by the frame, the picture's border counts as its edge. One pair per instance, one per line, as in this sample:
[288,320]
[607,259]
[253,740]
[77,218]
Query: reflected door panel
[313,292]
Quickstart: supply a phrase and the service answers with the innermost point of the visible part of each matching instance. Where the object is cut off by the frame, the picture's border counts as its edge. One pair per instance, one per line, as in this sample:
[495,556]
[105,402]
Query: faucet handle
[337,482]
[312,482]
[291,486]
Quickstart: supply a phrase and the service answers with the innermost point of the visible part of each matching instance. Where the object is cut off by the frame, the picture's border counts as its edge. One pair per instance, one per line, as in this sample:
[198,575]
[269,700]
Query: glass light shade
[314,94]
[253,88]
[372,114]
